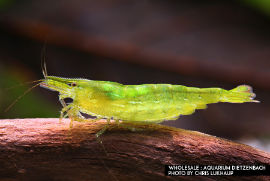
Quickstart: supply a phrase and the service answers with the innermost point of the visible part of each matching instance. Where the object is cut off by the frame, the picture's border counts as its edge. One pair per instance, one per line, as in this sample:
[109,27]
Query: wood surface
[44,149]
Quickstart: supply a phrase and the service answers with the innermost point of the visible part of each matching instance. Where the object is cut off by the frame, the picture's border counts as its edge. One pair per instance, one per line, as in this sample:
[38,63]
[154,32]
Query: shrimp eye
[73,84]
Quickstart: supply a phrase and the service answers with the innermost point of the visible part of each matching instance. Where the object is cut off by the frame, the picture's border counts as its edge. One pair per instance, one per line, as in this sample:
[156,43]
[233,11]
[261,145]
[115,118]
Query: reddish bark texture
[44,149]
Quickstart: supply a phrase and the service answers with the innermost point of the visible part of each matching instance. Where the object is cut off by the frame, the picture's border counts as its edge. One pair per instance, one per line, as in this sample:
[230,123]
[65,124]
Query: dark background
[210,43]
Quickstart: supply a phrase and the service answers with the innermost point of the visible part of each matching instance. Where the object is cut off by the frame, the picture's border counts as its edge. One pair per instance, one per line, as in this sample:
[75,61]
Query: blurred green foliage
[4,3]
[261,5]
[32,105]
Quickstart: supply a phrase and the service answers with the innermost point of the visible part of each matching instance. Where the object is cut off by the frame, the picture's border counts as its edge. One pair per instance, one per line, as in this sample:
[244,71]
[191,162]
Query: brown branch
[44,149]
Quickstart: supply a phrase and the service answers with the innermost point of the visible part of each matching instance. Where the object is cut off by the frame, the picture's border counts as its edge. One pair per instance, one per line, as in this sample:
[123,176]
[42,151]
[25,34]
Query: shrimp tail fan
[240,94]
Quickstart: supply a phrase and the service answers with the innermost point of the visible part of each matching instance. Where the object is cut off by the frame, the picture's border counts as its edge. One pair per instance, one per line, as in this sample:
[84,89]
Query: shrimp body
[146,102]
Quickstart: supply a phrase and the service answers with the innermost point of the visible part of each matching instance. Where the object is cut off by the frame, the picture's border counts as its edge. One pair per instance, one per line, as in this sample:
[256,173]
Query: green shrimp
[152,103]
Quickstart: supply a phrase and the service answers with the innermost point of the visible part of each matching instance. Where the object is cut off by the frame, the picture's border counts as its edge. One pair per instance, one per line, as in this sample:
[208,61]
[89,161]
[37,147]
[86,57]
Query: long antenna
[44,72]
[25,92]
[43,61]
[22,84]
